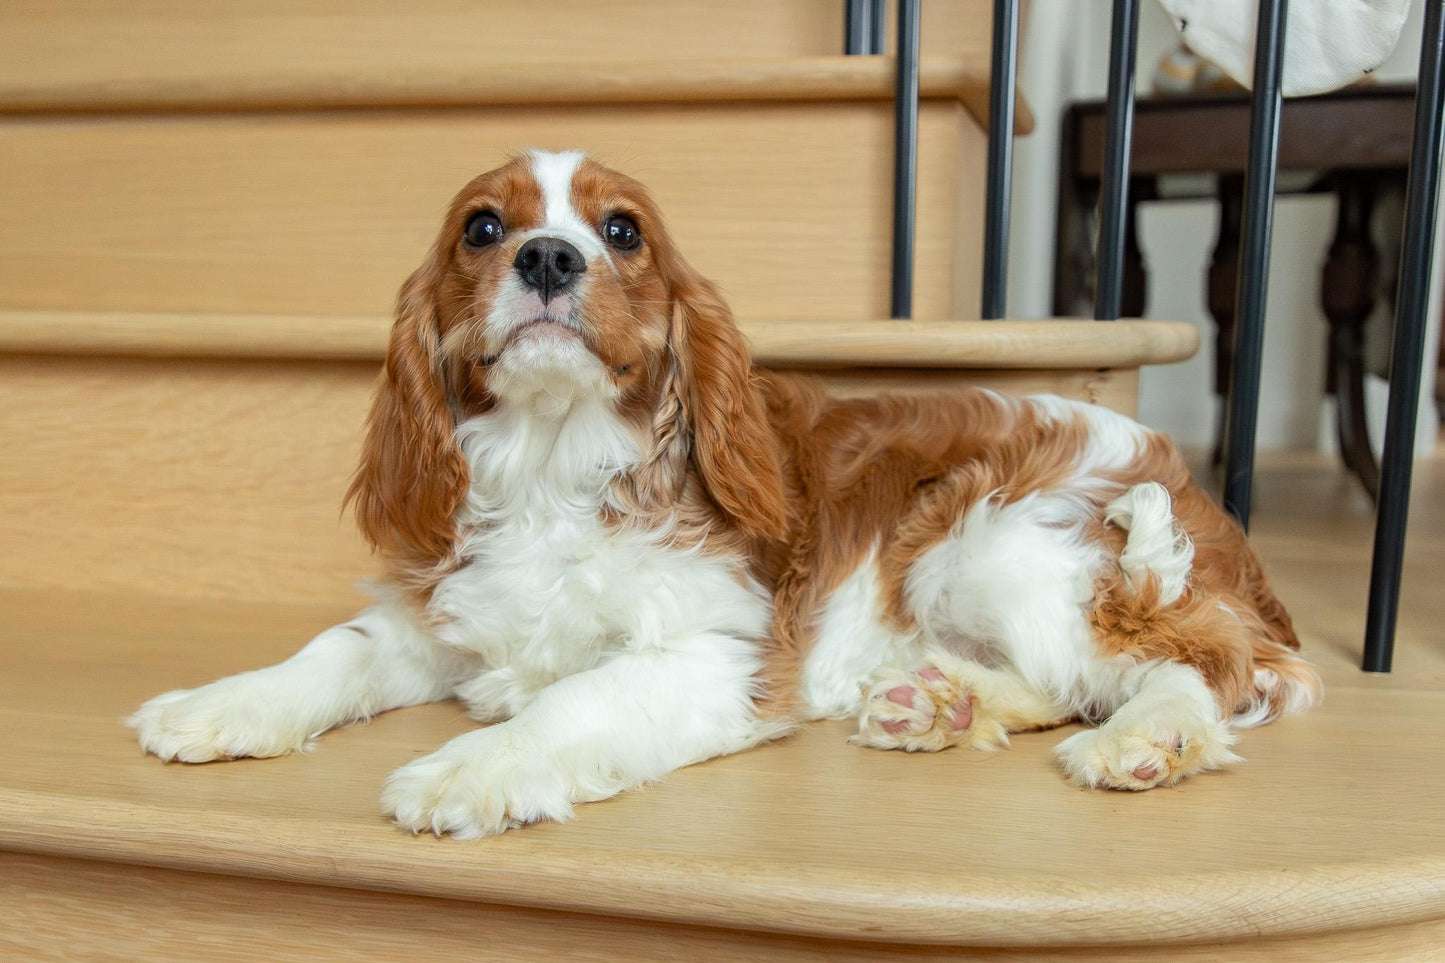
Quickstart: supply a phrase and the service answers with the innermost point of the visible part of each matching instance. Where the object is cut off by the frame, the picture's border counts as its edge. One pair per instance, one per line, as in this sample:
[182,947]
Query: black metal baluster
[1416,260]
[1003,75]
[1119,128]
[877,32]
[856,25]
[905,158]
[1242,407]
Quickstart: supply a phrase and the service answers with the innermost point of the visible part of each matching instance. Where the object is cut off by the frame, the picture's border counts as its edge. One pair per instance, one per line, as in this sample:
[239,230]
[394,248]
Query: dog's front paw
[1142,754]
[480,784]
[227,719]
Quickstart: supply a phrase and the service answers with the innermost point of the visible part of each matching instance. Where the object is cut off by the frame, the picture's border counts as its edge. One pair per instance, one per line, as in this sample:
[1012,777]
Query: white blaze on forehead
[554,174]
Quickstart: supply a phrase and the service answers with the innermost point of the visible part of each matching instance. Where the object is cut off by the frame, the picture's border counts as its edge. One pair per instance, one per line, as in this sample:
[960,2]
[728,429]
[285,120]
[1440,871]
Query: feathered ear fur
[412,474]
[733,446]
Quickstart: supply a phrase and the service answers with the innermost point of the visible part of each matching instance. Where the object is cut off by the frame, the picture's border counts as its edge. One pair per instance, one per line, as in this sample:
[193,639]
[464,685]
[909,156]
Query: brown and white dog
[612,537]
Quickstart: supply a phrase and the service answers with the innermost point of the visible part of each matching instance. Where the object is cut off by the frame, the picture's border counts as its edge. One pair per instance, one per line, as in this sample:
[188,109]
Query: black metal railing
[863,27]
[1118,125]
[1241,407]
[1417,256]
[865,35]
[905,158]
[999,200]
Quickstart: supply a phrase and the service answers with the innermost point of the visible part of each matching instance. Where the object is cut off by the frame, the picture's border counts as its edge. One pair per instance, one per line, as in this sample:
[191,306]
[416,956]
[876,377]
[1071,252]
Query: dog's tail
[1283,682]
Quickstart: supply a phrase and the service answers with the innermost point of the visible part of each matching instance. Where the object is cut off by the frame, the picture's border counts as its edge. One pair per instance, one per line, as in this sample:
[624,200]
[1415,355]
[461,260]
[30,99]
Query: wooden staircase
[207,212]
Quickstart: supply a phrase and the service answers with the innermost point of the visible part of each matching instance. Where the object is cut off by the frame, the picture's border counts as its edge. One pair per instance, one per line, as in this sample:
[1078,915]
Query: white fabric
[1327,43]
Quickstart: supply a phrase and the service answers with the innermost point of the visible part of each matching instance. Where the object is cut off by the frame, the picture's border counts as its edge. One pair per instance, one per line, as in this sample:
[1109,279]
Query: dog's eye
[620,231]
[484,228]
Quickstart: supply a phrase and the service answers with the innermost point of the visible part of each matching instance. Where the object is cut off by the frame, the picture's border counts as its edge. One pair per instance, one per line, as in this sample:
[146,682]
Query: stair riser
[787,205]
[224,479]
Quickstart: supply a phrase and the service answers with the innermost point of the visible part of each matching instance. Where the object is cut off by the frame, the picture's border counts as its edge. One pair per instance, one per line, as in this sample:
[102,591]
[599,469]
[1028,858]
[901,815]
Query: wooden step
[1327,841]
[181,195]
[252,86]
[61,52]
[138,443]
[1053,344]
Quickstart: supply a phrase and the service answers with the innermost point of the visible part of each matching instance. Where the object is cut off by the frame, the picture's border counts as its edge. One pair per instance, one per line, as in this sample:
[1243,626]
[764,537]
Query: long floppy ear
[733,447]
[412,474]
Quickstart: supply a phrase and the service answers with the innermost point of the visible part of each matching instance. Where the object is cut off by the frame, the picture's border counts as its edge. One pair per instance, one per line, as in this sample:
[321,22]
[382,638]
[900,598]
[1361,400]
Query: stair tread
[1322,830]
[805,344]
[257,85]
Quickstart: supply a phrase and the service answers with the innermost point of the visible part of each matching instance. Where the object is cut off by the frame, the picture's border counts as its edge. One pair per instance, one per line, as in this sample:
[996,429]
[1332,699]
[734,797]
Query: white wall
[1064,58]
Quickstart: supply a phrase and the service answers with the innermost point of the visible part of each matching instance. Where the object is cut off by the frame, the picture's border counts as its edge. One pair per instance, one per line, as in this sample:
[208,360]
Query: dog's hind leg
[950,701]
[1186,659]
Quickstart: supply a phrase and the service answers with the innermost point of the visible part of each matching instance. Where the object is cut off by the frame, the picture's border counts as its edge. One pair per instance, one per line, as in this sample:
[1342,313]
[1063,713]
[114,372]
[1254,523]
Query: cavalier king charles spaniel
[629,550]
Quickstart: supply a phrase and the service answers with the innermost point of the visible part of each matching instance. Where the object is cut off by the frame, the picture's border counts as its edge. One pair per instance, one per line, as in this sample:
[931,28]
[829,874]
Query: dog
[629,550]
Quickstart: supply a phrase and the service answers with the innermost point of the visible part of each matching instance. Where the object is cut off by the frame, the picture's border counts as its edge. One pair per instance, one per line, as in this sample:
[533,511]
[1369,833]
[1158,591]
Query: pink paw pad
[960,714]
[902,695]
[899,695]
[1149,770]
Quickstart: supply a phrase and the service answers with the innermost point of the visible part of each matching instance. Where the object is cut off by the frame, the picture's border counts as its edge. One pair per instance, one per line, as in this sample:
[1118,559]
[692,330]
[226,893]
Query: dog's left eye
[620,231]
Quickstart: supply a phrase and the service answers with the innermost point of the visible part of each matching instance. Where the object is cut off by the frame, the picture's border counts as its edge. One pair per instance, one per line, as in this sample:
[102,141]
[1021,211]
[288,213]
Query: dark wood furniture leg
[1075,238]
[1136,273]
[1073,243]
[1223,280]
[1347,292]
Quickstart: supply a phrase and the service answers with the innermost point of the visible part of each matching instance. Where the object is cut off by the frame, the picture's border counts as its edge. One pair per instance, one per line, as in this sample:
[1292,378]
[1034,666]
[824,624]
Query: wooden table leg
[1223,282]
[1347,292]
[1136,272]
[1075,261]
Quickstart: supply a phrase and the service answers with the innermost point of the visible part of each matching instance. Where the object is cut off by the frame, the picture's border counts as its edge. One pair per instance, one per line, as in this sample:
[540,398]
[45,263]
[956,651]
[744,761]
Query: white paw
[228,719]
[481,784]
[1143,754]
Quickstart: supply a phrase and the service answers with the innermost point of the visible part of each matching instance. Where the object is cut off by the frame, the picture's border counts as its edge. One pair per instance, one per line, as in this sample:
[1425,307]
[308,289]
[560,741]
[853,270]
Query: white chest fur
[549,589]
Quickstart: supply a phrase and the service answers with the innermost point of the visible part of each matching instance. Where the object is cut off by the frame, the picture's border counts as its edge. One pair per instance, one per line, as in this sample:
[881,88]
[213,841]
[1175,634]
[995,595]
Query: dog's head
[554,279]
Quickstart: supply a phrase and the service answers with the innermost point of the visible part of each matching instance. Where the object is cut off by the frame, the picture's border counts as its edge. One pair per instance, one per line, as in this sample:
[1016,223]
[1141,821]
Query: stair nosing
[1047,344]
[822,79]
[898,905]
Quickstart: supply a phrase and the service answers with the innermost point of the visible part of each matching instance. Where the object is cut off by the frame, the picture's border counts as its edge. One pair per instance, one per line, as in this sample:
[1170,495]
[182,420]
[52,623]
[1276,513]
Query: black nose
[548,264]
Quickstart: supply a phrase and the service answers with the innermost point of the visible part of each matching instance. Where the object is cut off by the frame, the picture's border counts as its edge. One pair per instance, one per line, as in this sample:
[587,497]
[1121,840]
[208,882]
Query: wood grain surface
[254,85]
[50,47]
[777,344]
[786,205]
[54,908]
[1331,826]
[224,478]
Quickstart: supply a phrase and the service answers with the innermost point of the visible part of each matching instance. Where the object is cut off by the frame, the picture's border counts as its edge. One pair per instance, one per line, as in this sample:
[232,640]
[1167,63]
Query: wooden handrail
[785,344]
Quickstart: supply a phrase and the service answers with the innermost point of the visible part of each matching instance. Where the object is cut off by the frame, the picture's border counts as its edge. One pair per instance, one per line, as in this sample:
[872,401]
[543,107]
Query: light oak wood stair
[206,212]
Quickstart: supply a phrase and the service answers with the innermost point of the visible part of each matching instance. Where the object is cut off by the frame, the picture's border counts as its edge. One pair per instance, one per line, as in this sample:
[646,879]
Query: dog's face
[552,273]
[553,280]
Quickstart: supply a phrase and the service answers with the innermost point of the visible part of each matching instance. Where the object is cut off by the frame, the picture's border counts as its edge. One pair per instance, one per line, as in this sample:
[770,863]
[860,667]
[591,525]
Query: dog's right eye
[484,228]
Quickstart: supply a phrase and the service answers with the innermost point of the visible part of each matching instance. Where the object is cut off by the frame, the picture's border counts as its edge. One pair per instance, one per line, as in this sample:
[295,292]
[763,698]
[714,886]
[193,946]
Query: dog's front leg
[634,718]
[379,660]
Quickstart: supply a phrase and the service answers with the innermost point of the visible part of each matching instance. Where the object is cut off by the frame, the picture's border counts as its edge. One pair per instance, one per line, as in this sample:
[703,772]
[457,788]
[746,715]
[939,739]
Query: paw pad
[921,711]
